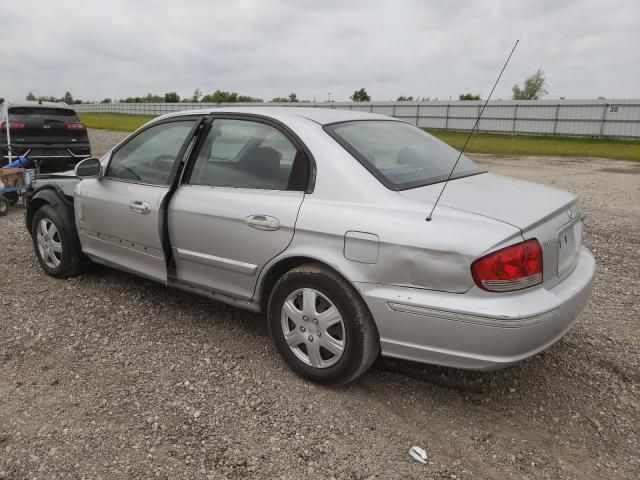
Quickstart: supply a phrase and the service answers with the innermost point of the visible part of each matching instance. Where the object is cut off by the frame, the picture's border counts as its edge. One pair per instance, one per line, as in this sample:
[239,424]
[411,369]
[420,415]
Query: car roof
[321,116]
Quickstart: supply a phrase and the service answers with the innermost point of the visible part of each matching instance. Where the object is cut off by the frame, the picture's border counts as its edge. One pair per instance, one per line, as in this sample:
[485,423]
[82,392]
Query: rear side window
[44,112]
[400,155]
[149,157]
[248,154]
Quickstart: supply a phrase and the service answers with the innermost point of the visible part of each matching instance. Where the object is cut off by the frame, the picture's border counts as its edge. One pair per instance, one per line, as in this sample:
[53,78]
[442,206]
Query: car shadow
[201,307]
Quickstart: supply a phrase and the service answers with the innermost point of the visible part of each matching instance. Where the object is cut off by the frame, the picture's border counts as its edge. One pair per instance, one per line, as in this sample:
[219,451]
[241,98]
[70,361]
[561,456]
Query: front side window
[150,156]
[400,155]
[248,154]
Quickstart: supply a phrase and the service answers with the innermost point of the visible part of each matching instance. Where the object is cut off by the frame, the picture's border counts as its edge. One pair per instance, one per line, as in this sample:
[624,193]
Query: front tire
[321,326]
[56,243]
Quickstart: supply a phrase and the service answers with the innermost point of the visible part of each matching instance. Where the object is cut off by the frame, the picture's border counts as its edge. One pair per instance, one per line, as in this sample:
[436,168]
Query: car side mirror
[89,167]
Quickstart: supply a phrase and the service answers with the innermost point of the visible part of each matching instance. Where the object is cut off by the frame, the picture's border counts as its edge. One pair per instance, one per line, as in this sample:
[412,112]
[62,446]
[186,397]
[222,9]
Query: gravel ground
[110,376]
[103,140]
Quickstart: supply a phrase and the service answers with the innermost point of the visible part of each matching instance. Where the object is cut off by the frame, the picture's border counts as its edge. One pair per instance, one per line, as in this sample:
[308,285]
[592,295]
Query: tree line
[533,88]
[67,98]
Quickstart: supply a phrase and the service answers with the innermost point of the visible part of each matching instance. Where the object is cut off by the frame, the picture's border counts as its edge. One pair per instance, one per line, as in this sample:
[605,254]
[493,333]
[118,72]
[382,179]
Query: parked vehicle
[316,217]
[49,134]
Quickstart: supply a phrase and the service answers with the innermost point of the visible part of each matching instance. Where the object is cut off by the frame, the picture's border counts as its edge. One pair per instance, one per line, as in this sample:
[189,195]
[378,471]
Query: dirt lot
[110,376]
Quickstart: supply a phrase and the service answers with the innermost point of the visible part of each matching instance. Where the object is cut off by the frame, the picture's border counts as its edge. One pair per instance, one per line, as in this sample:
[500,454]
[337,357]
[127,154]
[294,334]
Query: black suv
[49,134]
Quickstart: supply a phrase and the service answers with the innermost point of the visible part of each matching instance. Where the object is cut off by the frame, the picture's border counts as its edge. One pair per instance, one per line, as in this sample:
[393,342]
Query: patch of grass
[114,121]
[551,146]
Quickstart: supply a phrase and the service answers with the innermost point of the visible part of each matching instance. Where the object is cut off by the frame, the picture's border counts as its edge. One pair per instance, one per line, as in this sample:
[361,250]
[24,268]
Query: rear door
[120,216]
[238,206]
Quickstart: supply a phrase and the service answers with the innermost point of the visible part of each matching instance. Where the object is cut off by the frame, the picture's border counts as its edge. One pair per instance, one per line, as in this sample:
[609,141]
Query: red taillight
[513,268]
[13,125]
[76,126]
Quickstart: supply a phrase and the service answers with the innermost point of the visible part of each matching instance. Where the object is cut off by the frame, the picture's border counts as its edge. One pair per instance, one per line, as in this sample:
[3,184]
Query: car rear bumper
[58,152]
[477,330]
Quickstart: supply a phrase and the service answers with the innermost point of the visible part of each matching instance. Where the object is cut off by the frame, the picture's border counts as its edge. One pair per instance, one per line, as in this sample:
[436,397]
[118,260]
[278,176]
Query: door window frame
[298,144]
[196,119]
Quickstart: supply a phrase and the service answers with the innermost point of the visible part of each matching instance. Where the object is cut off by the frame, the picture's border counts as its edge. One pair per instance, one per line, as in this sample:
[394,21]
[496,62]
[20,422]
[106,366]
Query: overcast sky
[267,48]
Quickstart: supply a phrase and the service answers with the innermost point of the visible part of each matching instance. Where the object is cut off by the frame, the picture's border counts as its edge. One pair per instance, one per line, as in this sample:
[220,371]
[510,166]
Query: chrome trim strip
[71,154]
[220,262]
[77,156]
[505,322]
[121,242]
[511,285]
[51,156]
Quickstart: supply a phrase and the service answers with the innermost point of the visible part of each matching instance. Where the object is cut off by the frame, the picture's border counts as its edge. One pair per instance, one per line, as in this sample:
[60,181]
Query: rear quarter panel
[411,252]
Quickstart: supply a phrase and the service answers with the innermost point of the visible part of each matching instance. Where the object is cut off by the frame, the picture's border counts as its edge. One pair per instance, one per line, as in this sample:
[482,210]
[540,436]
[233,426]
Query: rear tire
[4,205]
[56,243]
[321,326]
[12,197]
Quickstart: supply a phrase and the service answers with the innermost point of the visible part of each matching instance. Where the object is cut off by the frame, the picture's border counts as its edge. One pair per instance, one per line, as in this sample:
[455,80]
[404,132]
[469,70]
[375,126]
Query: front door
[120,215]
[238,205]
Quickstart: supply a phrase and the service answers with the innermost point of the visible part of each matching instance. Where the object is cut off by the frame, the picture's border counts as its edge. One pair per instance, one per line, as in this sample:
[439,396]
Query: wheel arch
[272,273]
[364,347]
[45,196]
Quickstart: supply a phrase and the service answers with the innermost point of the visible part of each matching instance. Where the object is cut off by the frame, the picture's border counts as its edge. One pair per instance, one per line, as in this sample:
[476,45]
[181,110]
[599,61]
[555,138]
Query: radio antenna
[475,125]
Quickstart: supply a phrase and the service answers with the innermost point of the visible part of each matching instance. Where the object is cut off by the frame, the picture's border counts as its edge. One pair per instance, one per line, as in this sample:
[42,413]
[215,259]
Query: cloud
[268,48]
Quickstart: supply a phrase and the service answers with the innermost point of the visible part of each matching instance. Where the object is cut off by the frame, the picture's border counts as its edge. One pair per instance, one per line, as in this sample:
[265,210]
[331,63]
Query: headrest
[264,161]
[412,155]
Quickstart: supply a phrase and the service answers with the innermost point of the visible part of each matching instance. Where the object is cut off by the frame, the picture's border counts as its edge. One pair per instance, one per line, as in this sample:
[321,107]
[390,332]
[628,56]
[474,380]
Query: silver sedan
[318,219]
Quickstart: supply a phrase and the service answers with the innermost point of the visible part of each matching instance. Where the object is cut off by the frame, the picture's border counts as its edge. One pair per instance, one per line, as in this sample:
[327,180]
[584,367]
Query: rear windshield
[400,155]
[43,111]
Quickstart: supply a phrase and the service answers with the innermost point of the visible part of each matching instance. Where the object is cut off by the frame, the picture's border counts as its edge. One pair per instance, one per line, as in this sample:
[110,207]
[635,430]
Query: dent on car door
[119,215]
[238,208]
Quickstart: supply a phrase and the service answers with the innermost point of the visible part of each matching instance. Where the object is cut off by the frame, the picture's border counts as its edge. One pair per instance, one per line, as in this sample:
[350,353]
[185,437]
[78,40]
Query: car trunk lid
[550,215]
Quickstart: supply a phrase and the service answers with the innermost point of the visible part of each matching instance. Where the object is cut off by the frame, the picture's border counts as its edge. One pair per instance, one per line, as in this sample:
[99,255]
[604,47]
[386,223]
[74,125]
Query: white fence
[588,118]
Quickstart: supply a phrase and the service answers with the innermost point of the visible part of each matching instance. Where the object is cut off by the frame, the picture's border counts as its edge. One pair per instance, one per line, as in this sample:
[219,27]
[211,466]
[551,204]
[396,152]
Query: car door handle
[143,208]
[262,222]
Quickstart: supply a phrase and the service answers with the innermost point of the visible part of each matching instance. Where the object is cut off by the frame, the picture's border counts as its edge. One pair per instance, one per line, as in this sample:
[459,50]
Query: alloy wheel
[49,243]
